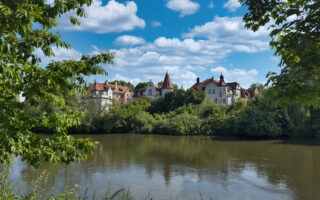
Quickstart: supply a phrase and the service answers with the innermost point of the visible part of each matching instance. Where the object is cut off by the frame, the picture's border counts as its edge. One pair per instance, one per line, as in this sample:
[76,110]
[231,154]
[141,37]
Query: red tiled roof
[105,86]
[167,84]
[202,84]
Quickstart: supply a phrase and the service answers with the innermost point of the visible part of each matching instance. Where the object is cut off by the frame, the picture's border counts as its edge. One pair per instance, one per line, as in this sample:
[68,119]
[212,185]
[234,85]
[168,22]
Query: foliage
[182,121]
[176,99]
[140,86]
[24,27]
[295,31]
[123,83]
[128,118]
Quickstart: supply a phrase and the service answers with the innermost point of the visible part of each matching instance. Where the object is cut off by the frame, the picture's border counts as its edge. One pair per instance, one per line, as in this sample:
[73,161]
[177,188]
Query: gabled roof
[233,85]
[202,84]
[167,84]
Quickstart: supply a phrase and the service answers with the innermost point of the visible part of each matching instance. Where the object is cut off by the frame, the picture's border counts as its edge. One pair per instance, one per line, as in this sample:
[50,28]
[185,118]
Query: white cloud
[201,48]
[156,24]
[232,5]
[134,81]
[242,76]
[184,7]
[231,33]
[60,55]
[112,17]
[129,40]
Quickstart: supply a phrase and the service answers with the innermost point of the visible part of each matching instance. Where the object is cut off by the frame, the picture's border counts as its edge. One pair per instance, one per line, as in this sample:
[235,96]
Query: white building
[106,94]
[219,91]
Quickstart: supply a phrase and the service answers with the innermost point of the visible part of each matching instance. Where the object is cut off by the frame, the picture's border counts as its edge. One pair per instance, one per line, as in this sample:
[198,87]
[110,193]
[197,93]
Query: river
[171,167]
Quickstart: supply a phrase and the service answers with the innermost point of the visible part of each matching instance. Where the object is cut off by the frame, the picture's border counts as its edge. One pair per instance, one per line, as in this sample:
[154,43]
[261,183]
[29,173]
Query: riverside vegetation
[190,113]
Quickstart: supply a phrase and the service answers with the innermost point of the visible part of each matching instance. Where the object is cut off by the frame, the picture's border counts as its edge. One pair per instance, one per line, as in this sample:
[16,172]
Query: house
[106,94]
[224,93]
[220,91]
[153,91]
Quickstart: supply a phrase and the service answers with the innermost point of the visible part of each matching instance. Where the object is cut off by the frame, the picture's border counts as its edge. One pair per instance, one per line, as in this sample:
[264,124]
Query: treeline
[190,113]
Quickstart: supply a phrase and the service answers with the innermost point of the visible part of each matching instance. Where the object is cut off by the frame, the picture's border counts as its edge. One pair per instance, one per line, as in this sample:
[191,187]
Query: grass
[8,191]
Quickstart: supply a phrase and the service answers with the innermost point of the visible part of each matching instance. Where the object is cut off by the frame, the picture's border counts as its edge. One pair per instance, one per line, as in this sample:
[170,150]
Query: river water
[169,167]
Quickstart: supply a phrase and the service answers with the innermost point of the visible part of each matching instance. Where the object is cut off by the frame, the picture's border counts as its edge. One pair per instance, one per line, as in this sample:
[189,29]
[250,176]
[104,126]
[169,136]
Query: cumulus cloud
[194,54]
[232,5]
[112,17]
[129,40]
[60,54]
[230,32]
[184,7]
[242,76]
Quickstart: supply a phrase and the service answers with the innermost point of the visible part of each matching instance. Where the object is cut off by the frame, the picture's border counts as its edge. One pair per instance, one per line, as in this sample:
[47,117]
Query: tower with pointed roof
[167,85]
[152,90]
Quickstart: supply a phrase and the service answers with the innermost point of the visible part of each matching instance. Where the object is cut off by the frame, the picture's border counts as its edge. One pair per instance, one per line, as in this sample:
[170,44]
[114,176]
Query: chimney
[116,85]
[198,80]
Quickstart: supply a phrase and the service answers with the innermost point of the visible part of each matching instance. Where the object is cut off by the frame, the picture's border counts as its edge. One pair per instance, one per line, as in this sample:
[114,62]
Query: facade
[106,94]
[223,93]
[154,91]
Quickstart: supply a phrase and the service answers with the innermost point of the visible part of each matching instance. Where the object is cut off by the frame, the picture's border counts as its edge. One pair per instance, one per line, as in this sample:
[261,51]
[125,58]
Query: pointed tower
[167,85]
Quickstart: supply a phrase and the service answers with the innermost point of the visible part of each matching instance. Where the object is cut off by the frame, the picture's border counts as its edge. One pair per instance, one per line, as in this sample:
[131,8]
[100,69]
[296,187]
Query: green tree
[140,86]
[24,27]
[295,31]
[176,99]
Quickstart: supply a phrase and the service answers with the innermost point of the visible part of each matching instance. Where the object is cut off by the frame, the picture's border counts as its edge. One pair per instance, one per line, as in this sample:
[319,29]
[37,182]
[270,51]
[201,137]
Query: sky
[187,38]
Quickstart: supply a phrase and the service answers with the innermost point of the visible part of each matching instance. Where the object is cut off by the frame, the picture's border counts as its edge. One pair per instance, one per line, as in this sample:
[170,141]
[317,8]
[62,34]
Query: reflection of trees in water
[211,160]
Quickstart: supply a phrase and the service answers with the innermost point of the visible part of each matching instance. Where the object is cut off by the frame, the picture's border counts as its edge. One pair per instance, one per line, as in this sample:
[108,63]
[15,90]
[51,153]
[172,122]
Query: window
[213,91]
[150,92]
[224,101]
[216,100]
[209,91]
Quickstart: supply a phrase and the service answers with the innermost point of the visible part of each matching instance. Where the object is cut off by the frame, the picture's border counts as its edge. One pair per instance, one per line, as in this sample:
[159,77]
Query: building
[223,93]
[106,94]
[153,91]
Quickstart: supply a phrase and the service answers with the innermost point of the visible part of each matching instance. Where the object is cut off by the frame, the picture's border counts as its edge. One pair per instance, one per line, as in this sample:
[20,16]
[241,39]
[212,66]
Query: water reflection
[180,167]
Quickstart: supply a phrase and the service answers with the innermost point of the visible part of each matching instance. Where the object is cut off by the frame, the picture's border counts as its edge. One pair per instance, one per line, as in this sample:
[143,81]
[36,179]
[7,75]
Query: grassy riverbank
[8,190]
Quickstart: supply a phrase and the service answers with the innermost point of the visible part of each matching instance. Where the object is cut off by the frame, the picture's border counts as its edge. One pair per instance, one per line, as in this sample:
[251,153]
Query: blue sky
[187,38]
